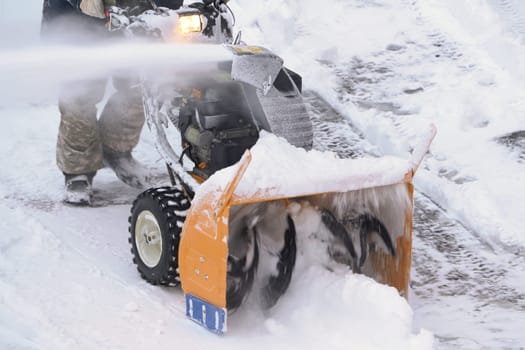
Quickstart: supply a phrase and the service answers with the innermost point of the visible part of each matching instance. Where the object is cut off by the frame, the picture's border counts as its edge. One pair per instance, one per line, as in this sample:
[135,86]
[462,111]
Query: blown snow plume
[39,72]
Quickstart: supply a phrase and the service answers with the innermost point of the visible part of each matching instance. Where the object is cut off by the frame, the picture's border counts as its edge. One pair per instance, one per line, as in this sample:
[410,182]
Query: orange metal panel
[203,250]
[395,271]
[203,254]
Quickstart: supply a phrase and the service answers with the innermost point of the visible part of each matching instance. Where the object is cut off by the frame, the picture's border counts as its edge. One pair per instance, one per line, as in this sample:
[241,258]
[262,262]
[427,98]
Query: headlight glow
[189,24]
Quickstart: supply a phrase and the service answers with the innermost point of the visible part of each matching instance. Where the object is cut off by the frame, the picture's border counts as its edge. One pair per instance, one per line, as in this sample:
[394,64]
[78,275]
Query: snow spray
[30,73]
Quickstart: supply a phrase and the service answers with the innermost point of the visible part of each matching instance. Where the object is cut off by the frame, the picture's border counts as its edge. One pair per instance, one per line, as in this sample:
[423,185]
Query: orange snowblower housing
[204,248]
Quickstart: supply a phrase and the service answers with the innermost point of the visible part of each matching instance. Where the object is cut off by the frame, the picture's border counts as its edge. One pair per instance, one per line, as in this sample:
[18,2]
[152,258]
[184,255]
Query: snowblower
[247,187]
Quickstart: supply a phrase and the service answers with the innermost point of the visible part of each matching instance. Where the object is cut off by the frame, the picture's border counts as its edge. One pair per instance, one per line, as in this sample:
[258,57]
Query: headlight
[189,23]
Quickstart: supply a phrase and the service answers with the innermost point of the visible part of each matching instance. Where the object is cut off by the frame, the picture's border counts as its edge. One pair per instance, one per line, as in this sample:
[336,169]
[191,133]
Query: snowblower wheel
[156,221]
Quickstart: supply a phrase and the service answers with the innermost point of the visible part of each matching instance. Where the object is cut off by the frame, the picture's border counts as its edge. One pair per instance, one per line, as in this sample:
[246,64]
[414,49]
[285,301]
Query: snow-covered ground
[386,68]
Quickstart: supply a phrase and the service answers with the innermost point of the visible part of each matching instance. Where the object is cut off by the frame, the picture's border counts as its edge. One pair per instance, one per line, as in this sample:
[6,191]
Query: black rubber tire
[169,206]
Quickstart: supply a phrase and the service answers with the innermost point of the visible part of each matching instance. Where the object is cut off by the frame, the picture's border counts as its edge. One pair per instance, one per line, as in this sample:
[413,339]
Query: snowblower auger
[378,187]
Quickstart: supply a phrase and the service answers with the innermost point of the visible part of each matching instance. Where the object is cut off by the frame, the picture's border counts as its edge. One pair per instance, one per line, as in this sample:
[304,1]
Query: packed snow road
[472,293]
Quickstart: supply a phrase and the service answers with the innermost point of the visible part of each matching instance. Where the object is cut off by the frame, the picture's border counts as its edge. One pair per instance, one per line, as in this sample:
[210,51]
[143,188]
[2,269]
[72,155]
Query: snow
[340,312]
[279,170]
[45,68]
[391,67]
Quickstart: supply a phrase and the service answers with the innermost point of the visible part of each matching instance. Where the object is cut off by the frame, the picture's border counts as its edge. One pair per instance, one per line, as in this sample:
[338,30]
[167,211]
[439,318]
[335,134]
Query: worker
[86,144]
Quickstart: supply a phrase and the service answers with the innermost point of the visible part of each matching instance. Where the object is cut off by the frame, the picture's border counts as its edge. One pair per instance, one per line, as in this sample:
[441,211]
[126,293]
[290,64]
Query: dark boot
[127,169]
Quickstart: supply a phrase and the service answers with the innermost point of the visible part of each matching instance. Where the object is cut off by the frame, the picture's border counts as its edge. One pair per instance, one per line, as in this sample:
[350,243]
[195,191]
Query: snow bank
[338,310]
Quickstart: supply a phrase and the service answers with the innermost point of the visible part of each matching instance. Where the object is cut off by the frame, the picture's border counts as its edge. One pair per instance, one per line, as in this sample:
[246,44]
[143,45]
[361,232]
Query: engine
[216,127]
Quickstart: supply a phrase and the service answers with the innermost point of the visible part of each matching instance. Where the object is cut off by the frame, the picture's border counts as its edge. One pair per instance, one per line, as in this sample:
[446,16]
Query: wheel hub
[148,239]
[151,238]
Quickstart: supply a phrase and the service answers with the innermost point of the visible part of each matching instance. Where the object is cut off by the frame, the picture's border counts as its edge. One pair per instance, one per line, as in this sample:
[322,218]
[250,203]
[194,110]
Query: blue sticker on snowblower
[206,314]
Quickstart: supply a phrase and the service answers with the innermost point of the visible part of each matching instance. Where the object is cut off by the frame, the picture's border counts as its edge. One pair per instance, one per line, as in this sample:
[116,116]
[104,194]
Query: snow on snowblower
[247,187]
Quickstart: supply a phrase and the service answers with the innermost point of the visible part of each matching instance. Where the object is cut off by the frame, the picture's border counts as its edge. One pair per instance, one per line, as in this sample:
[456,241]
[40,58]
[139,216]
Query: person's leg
[79,150]
[120,126]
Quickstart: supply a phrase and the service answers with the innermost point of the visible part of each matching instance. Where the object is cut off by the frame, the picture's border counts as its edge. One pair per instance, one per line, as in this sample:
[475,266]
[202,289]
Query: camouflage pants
[82,139]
